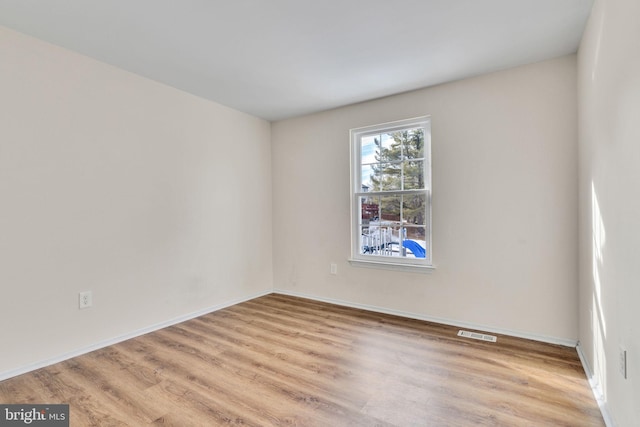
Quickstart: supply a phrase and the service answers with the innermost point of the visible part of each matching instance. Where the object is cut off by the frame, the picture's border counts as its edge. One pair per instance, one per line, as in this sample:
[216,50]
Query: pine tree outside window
[391,194]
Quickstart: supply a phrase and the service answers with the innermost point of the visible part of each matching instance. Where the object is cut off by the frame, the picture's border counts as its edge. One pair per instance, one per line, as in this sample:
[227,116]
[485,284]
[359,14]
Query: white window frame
[383,261]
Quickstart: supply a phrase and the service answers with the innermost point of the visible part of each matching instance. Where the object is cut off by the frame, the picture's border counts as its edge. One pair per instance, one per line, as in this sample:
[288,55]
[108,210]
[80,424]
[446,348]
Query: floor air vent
[477,336]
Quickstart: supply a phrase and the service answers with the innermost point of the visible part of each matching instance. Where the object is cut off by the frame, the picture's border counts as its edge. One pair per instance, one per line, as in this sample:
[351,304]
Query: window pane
[374,240]
[414,209]
[389,176]
[367,240]
[369,209]
[413,143]
[415,242]
[390,154]
[368,177]
[380,240]
[389,146]
[413,176]
[415,233]
[390,210]
[368,150]
[392,238]
[393,241]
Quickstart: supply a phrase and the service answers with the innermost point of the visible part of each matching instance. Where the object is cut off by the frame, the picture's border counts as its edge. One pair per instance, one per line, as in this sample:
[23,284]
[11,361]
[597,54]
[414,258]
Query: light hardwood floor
[279,360]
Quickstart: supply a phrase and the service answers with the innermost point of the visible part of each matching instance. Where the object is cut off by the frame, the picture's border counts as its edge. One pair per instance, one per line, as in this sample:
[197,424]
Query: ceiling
[282,58]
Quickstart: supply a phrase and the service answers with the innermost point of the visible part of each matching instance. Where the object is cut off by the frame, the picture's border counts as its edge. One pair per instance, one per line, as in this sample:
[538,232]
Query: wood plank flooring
[279,360]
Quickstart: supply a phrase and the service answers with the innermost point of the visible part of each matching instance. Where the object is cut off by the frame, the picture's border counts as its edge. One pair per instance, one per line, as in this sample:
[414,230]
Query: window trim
[387,262]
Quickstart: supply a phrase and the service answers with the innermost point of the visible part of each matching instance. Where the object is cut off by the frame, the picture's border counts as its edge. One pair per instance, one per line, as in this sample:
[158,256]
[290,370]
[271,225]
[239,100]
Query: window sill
[392,266]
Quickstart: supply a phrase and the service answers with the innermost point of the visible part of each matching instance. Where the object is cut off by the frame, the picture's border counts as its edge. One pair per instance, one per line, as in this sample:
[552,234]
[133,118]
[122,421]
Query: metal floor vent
[477,336]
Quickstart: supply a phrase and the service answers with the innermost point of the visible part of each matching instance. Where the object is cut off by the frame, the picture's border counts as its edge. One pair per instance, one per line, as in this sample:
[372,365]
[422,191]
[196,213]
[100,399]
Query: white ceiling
[282,58]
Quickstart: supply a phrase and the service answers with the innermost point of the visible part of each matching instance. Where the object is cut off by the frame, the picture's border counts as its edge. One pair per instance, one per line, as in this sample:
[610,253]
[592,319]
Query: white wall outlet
[334,268]
[85,299]
[623,362]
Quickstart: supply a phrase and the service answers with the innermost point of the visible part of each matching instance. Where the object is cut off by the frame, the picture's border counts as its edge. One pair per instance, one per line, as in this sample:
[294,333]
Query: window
[391,194]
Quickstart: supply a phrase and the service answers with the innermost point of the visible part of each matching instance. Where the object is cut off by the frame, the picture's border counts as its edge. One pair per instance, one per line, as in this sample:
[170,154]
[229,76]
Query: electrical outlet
[334,268]
[85,299]
[623,362]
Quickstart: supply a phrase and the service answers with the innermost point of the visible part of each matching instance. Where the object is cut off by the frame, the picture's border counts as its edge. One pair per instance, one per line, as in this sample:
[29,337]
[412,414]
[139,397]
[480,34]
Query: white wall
[609,129]
[156,200]
[504,203]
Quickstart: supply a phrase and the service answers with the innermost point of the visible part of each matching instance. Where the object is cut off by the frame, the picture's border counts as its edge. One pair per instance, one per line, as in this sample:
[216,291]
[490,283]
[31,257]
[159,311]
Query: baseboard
[595,388]
[450,322]
[105,343]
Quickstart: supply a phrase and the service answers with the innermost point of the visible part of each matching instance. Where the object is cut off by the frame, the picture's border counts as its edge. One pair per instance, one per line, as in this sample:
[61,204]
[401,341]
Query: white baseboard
[105,343]
[466,325]
[596,389]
